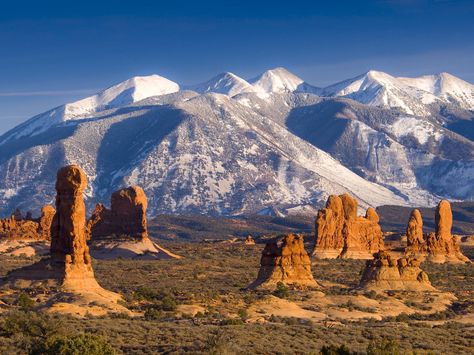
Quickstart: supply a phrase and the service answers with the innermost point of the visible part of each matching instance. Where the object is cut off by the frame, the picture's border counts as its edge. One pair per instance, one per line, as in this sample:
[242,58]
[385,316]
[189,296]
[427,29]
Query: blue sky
[52,53]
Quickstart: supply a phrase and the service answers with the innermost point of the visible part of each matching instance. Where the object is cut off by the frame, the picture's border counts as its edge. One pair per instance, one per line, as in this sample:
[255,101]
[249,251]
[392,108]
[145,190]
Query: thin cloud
[47,92]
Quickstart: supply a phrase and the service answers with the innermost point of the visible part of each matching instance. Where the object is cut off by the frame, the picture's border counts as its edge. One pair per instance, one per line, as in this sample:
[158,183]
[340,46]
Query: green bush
[385,347]
[243,314]
[335,350]
[25,302]
[144,293]
[168,304]
[31,325]
[82,344]
[281,290]
[153,314]
[232,321]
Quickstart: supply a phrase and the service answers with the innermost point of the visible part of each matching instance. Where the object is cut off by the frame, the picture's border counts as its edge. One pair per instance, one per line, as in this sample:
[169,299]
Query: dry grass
[215,275]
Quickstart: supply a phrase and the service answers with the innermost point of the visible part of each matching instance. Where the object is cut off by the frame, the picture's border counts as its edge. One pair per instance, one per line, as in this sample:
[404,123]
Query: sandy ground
[144,249]
[25,247]
[318,307]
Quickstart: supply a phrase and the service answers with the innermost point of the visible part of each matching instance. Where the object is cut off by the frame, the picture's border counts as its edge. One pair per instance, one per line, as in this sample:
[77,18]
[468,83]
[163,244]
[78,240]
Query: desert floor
[199,304]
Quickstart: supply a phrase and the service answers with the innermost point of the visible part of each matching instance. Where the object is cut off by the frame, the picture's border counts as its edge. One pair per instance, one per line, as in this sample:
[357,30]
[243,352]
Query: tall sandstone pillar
[69,250]
[442,246]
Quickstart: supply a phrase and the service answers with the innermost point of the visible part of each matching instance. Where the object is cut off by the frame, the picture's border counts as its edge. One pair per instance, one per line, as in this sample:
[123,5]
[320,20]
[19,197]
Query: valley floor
[199,304]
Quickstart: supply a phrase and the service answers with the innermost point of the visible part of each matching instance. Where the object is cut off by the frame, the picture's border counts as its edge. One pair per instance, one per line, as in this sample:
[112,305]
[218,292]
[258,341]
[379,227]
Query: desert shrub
[73,345]
[31,325]
[243,314]
[371,294]
[232,321]
[153,314]
[160,300]
[250,298]
[144,293]
[335,350]
[218,343]
[25,302]
[281,290]
[168,304]
[385,347]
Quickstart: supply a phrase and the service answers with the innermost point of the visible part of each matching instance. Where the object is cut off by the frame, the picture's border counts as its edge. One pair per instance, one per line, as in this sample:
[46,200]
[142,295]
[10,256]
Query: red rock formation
[385,273]
[416,245]
[415,229]
[285,261]
[45,221]
[341,233]
[372,215]
[442,246]
[17,227]
[69,250]
[249,240]
[329,227]
[11,228]
[349,205]
[127,215]
[66,281]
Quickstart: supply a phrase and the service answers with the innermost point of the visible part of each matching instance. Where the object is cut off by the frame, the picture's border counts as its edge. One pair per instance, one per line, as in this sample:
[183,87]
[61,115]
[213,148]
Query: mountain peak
[225,83]
[279,80]
[124,93]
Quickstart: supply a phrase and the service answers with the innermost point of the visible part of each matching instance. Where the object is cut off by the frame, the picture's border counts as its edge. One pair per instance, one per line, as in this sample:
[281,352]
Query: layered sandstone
[384,273]
[18,227]
[442,246]
[340,233]
[68,271]
[126,217]
[285,260]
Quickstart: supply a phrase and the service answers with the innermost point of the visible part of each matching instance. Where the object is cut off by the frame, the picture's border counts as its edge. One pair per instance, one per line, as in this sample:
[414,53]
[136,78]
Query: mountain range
[274,144]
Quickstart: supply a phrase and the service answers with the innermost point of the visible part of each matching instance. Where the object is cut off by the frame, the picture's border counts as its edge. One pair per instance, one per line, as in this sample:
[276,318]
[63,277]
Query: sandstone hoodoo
[18,227]
[249,240]
[69,269]
[126,217]
[46,220]
[69,250]
[415,230]
[384,273]
[121,231]
[442,246]
[285,260]
[340,233]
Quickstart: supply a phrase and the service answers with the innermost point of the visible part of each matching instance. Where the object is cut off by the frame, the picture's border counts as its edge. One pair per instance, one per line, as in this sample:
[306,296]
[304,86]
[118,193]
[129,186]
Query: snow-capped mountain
[415,96]
[280,80]
[446,87]
[225,83]
[122,94]
[231,146]
[383,90]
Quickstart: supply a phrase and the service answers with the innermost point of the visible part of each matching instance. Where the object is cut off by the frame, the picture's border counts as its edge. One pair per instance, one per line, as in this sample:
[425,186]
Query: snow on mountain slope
[225,83]
[446,87]
[397,151]
[124,93]
[383,90]
[230,146]
[208,154]
[280,80]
